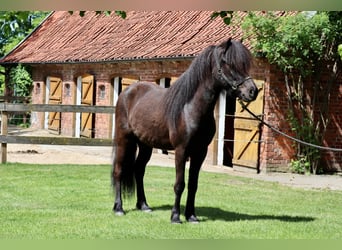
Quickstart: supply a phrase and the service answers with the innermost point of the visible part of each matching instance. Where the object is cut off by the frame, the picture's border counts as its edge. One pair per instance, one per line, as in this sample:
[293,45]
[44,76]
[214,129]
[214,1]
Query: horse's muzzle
[253,93]
[248,94]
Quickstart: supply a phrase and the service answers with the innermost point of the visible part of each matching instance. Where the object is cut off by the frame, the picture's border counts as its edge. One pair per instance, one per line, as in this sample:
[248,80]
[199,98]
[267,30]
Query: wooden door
[87,98]
[247,133]
[55,97]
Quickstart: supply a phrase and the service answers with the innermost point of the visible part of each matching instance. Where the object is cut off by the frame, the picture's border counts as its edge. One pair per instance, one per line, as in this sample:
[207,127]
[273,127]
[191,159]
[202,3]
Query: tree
[15,26]
[302,46]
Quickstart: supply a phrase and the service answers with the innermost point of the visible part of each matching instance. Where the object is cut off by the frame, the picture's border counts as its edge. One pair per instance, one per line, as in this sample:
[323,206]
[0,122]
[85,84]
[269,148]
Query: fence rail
[21,108]
[6,108]
[18,139]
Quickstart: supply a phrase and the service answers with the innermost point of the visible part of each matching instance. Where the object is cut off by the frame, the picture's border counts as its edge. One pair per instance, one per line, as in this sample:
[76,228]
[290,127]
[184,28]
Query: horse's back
[137,90]
[140,110]
[135,93]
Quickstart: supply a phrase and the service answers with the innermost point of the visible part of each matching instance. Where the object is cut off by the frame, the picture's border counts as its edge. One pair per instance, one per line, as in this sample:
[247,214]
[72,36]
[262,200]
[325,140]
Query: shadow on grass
[212,214]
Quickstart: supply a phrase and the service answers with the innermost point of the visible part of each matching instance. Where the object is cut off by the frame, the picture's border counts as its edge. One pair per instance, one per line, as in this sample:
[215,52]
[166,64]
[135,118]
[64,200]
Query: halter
[233,84]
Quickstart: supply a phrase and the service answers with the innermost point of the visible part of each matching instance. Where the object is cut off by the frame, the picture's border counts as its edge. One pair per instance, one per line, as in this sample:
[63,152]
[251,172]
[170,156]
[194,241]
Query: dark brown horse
[181,118]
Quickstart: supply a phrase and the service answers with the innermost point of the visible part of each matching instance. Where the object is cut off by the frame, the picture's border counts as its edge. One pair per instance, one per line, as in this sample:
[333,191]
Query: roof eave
[119,60]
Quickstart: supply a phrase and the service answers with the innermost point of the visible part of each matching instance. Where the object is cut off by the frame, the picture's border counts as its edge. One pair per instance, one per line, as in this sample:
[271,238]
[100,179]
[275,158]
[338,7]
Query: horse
[179,118]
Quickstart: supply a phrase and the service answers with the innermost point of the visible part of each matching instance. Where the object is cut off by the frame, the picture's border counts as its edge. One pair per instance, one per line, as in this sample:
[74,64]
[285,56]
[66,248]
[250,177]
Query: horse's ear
[226,44]
[229,42]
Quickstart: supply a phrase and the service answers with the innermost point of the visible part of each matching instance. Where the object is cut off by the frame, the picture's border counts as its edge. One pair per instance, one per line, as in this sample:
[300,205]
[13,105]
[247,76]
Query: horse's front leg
[196,161]
[180,160]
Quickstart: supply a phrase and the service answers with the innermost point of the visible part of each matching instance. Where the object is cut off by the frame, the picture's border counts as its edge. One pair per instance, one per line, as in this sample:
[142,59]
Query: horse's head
[232,65]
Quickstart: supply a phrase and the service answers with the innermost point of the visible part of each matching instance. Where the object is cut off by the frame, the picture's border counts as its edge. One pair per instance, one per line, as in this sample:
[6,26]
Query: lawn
[75,202]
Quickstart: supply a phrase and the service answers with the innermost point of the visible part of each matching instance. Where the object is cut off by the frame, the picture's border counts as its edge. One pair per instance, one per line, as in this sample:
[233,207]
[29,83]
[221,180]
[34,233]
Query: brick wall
[38,97]
[104,74]
[333,160]
[275,150]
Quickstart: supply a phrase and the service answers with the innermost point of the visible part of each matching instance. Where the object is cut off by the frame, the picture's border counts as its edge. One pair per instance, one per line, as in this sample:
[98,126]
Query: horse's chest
[197,118]
[199,126]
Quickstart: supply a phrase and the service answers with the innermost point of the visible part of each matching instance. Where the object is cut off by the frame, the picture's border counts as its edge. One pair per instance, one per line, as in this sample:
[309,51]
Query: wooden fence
[7,108]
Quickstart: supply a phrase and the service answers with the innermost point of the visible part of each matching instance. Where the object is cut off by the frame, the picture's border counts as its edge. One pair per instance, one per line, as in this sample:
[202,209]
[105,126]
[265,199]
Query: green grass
[75,202]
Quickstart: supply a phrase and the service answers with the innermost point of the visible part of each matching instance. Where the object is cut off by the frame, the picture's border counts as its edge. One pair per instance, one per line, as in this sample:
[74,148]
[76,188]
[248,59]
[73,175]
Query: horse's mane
[185,87]
[183,90]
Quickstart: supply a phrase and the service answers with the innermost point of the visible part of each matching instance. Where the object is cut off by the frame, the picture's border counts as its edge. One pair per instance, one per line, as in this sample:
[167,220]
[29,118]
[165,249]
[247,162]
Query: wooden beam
[249,139]
[6,108]
[4,116]
[20,107]
[4,130]
[55,140]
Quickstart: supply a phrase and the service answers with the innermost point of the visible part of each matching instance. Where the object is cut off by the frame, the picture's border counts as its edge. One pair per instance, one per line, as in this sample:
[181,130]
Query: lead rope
[286,135]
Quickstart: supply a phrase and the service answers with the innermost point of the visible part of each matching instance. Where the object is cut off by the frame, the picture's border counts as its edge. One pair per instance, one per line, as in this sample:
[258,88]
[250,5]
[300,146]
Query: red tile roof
[66,38]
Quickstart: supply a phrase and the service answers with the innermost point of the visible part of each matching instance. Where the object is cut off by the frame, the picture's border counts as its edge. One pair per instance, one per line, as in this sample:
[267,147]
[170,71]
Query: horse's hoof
[118,210]
[175,219]
[176,222]
[193,219]
[119,213]
[144,208]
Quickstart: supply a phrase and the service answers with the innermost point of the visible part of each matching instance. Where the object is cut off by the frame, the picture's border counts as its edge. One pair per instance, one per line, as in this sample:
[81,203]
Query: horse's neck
[206,97]
[192,92]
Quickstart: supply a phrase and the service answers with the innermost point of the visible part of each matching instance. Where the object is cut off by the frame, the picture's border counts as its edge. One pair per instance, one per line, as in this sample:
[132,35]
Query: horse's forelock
[239,58]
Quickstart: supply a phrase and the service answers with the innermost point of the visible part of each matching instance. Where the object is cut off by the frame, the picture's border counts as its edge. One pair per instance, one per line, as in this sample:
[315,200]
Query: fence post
[4,131]
[4,115]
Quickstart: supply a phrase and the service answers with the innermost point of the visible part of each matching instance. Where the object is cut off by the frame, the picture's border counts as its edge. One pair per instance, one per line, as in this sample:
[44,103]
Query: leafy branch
[301,46]
[119,13]
[225,15]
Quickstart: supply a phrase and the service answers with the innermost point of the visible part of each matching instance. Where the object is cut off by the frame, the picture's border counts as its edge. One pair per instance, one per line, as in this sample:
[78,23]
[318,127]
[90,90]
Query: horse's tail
[125,145]
[128,180]
[125,172]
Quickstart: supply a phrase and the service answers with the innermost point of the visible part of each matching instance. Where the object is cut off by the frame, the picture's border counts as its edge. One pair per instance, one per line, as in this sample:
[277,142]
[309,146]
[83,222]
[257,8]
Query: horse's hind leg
[123,167]
[144,156]
[116,179]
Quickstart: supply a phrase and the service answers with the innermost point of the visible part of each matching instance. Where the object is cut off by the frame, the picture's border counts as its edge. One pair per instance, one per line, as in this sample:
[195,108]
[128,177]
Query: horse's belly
[154,137]
[150,128]
[146,116]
